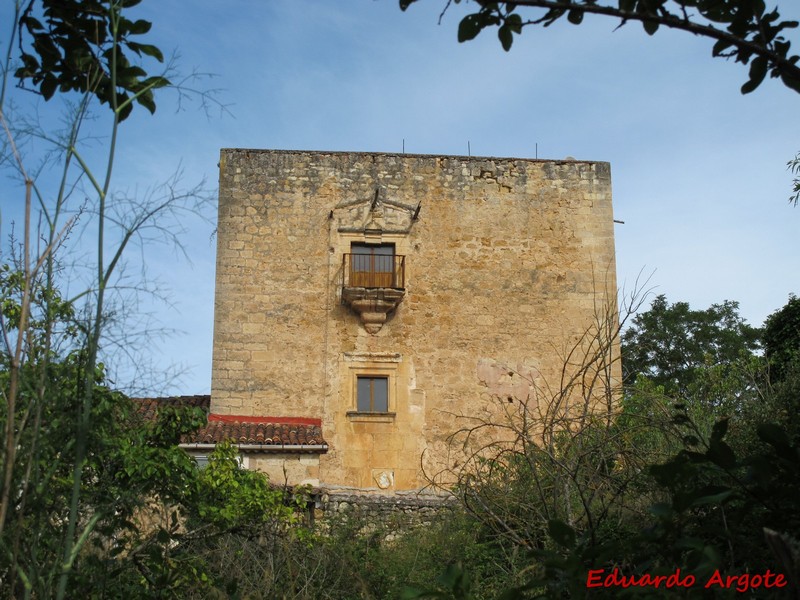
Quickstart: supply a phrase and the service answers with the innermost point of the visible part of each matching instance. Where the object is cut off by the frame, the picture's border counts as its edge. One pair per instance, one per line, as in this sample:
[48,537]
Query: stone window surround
[371,364]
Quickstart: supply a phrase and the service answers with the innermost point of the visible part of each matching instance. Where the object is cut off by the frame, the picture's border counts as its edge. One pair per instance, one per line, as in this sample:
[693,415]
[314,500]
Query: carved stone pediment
[376,214]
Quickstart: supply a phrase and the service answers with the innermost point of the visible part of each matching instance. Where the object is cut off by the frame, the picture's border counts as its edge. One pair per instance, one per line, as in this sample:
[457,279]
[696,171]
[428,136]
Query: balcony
[373,285]
[374,271]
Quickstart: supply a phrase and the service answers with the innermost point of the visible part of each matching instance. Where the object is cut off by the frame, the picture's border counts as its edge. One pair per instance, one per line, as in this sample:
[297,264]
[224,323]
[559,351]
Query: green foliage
[83,479]
[87,46]
[51,319]
[645,421]
[720,501]
[141,496]
[152,505]
[701,479]
[125,466]
[782,339]
[194,510]
[349,556]
[229,496]
[716,505]
[744,30]
[453,583]
[794,167]
[673,345]
[402,556]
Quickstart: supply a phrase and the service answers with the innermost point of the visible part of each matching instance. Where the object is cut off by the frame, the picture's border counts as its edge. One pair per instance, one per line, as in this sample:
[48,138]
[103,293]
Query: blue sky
[698,170]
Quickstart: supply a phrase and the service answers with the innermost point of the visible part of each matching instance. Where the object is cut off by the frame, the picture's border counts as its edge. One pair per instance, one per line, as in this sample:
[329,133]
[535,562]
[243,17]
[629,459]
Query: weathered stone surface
[506,260]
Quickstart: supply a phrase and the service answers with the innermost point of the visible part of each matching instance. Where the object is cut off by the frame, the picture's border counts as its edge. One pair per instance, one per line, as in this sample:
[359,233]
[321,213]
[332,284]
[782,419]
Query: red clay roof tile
[263,434]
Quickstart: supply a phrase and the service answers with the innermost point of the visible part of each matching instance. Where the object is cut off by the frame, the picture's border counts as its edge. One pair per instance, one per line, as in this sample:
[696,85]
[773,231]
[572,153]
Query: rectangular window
[372,265]
[372,394]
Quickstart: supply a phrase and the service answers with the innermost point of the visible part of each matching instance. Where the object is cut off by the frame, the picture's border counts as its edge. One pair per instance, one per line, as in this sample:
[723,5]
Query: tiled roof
[258,434]
[148,407]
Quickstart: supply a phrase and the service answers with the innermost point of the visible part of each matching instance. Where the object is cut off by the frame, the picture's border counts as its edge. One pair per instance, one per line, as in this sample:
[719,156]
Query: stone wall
[392,514]
[285,468]
[506,263]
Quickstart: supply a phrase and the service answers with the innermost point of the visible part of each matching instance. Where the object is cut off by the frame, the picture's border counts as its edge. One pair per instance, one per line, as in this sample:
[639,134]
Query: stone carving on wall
[377,214]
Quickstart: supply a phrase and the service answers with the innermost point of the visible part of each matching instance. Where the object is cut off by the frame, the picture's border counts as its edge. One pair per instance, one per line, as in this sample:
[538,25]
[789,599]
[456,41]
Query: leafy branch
[88,46]
[794,167]
[742,29]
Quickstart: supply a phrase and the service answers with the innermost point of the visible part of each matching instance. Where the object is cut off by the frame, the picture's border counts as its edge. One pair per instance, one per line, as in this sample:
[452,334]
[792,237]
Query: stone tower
[385,296]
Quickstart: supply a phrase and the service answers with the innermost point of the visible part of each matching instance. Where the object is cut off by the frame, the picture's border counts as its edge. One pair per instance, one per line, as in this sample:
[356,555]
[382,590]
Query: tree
[56,405]
[744,30]
[782,339]
[673,345]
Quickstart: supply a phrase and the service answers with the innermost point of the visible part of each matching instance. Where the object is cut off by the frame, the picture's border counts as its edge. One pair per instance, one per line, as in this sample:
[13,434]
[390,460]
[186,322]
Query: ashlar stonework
[387,295]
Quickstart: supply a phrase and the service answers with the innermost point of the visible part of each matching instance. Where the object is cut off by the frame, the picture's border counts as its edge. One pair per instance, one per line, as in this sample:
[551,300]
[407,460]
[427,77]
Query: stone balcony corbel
[373,305]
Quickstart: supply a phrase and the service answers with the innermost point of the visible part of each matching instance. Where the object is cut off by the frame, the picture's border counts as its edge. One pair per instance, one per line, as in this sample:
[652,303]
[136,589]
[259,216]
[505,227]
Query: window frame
[370,364]
[372,379]
[372,264]
[202,460]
